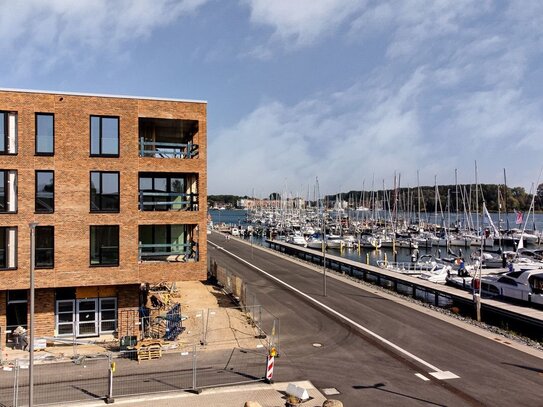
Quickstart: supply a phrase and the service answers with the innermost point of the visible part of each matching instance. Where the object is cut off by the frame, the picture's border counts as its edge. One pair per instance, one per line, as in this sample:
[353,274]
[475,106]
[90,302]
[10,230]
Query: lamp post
[32,227]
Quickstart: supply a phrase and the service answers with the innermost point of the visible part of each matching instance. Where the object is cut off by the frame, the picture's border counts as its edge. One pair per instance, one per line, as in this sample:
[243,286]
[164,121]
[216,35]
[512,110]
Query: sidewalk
[268,395]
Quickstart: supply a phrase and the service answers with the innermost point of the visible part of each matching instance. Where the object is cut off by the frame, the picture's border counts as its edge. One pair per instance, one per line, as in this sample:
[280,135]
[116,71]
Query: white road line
[421,376]
[449,375]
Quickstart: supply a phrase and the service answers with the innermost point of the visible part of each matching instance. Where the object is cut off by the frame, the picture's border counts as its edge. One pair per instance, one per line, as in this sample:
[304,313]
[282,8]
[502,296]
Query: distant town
[429,198]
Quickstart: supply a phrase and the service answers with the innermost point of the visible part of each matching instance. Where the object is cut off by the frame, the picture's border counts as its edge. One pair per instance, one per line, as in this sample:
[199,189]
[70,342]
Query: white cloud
[302,22]
[456,86]
[337,138]
[41,34]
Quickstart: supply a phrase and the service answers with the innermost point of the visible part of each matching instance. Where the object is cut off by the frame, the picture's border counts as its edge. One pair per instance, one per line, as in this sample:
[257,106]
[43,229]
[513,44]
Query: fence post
[16,384]
[111,370]
[194,368]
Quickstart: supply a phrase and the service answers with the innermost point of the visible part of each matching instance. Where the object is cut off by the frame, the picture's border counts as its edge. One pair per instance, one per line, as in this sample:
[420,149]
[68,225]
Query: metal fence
[88,378]
[218,347]
[261,319]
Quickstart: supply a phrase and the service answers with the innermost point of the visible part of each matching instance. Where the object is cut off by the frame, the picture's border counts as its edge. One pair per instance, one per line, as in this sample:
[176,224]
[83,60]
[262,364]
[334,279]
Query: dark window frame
[100,154]
[52,265]
[101,210]
[5,230]
[6,133]
[153,176]
[118,247]
[36,152]
[4,196]
[36,192]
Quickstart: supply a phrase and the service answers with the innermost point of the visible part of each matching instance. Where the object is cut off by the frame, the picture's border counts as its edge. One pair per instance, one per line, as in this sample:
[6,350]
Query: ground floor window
[16,309]
[86,317]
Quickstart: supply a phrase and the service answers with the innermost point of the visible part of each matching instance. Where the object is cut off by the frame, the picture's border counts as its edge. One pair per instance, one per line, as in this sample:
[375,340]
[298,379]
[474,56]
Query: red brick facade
[71,219]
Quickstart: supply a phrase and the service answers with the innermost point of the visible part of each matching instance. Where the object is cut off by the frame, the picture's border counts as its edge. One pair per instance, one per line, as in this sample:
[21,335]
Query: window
[507,280]
[45,134]
[108,315]
[167,243]
[104,245]
[65,310]
[8,133]
[168,191]
[8,191]
[104,189]
[45,192]
[17,309]
[45,247]
[104,136]
[8,247]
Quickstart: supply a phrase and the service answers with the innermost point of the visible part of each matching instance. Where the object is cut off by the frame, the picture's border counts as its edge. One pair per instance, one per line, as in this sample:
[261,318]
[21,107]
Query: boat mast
[456,195]
[505,199]
[418,198]
[477,198]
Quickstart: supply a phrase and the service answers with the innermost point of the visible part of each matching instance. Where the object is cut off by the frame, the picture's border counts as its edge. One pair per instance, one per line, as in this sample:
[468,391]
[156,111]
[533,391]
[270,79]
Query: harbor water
[238,218]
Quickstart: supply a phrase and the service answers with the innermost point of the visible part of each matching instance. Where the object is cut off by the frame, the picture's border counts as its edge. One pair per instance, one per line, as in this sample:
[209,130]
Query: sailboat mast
[505,199]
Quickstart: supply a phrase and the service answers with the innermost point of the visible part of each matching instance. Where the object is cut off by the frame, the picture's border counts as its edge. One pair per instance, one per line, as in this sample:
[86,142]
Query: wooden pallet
[149,352]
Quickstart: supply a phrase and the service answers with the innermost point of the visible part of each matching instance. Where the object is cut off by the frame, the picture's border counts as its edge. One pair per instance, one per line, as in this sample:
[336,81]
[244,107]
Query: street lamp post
[32,226]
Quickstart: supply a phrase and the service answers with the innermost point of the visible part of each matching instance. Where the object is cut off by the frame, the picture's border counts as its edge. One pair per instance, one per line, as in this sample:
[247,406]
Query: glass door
[87,317]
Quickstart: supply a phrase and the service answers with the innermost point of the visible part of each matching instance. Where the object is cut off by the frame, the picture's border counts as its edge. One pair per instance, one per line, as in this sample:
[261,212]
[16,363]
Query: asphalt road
[391,369]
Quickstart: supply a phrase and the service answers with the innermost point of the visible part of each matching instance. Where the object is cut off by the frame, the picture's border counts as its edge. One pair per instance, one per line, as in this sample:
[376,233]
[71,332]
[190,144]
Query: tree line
[448,198]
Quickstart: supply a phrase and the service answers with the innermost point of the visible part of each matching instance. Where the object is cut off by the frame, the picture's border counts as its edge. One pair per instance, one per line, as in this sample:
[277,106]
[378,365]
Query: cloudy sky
[348,91]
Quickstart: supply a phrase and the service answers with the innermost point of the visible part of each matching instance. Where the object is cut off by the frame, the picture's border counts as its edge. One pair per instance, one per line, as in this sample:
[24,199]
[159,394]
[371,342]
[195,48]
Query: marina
[440,270]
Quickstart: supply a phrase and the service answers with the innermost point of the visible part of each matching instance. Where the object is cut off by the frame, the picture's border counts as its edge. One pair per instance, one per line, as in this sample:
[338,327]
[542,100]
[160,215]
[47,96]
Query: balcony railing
[152,201]
[160,149]
[175,252]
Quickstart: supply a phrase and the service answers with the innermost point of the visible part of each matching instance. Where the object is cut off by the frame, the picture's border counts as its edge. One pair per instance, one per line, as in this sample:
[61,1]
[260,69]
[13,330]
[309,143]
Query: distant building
[115,184]
[257,203]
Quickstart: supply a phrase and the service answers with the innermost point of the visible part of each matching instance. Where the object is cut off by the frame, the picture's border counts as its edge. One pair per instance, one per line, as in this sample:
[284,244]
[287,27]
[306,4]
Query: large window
[104,245]
[8,191]
[8,247]
[8,133]
[45,247]
[17,309]
[104,189]
[45,134]
[45,192]
[168,191]
[104,133]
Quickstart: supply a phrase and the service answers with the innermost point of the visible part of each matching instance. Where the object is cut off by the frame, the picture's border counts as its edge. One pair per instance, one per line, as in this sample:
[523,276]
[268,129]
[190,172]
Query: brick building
[117,186]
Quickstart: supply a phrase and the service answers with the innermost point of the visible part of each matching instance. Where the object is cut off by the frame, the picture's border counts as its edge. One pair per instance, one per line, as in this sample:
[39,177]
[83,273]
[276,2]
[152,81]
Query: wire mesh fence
[87,378]
[262,320]
[54,383]
[218,346]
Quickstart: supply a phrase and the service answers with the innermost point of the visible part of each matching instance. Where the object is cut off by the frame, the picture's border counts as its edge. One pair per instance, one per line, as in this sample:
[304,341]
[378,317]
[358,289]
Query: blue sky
[343,90]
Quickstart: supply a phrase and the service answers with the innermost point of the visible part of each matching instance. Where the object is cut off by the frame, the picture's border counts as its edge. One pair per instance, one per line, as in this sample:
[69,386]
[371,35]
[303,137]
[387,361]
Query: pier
[523,319]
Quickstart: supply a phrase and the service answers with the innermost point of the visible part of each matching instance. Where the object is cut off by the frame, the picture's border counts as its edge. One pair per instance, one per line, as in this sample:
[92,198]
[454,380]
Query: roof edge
[49,92]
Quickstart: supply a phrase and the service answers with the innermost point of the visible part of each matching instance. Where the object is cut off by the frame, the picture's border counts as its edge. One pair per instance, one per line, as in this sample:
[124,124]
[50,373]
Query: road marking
[437,373]
[444,375]
[421,376]
[330,391]
[184,353]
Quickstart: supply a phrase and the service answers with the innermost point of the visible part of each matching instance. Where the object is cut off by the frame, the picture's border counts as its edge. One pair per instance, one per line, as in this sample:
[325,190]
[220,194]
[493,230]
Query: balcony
[167,243]
[168,192]
[168,138]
